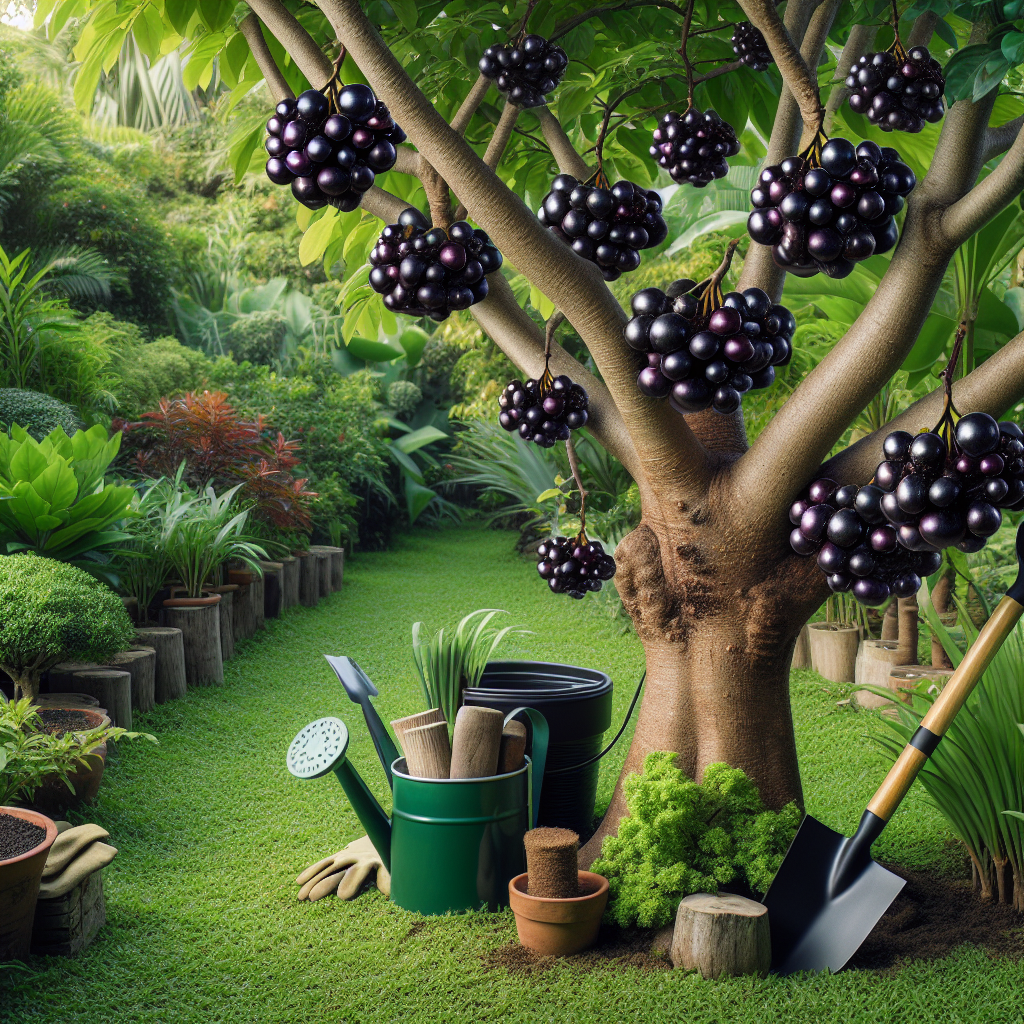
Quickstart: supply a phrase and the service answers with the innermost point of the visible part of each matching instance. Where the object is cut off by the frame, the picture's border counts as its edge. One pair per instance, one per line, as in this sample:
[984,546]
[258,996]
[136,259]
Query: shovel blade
[814,929]
[356,682]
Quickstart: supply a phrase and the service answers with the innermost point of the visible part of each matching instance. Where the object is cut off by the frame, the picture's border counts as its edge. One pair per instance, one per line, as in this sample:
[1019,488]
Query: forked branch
[298,43]
[566,157]
[251,28]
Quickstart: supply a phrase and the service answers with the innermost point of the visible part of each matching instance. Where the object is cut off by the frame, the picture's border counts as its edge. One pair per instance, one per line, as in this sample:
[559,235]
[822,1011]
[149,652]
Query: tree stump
[61,676]
[273,589]
[169,678]
[289,582]
[257,595]
[227,621]
[721,936]
[875,660]
[140,664]
[337,568]
[243,617]
[309,580]
[200,633]
[112,687]
[834,650]
[323,568]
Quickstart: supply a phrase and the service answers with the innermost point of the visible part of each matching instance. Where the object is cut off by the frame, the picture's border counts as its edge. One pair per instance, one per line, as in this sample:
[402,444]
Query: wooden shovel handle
[952,698]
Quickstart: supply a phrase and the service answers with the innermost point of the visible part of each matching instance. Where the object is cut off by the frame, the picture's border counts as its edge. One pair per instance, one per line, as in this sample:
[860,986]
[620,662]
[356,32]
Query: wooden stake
[428,754]
[476,742]
[403,725]
[721,936]
[513,747]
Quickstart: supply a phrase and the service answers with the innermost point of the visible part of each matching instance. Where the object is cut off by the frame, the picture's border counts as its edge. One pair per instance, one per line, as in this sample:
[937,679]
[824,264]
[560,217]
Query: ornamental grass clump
[682,837]
[52,612]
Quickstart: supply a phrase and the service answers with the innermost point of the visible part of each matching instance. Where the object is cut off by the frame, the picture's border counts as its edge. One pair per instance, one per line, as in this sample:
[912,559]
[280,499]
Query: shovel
[359,689]
[829,893]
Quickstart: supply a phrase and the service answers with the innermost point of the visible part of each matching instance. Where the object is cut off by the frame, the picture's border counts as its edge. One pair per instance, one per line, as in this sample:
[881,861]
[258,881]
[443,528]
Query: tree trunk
[112,687]
[200,632]
[891,621]
[908,613]
[169,679]
[940,602]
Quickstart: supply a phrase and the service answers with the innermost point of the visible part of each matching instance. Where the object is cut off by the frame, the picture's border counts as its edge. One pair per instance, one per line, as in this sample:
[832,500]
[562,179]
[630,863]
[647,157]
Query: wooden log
[227,621]
[309,579]
[722,936]
[402,725]
[428,754]
[552,868]
[903,678]
[513,747]
[60,677]
[802,651]
[140,664]
[273,589]
[290,582]
[323,568]
[169,681]
[834,650]
[476,741]
[67,924]
[337,568]
[875,660]
[112,687]
[257,597]
[200,633]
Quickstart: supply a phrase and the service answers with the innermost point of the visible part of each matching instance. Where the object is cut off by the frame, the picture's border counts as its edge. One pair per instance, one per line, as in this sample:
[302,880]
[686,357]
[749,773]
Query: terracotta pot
[191,602]
[240,577]
[19,887]
[556,927]
[53,796]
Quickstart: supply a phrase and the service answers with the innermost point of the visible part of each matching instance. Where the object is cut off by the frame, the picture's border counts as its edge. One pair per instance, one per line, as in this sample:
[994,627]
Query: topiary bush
[37,413]
[682,837]
[257,337]
[51,612]
[404,397]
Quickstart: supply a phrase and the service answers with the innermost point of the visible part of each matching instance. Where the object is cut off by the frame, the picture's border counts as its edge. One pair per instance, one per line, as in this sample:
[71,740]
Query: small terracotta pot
[556,927]
[53,796]
[191,602]
[19,887]
[239,577]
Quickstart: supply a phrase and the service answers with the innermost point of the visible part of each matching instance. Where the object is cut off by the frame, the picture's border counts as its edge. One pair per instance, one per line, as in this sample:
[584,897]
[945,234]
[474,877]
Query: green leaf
[931,342]
[1013,47]
[417,498]
[372,351]
[413,340]
[551,492]
[87,80]
[406,11]
[179,14]
[318,236]
[215,13]
[962,68]
[407,463]
[418,438]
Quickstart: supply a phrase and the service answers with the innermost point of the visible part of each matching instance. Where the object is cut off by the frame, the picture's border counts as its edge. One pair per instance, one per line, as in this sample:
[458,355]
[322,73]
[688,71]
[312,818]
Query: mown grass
[203,922]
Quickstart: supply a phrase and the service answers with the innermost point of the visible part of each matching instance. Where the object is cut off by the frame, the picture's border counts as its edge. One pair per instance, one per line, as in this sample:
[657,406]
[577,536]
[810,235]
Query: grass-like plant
[976,776]
[453,659]
[52,612]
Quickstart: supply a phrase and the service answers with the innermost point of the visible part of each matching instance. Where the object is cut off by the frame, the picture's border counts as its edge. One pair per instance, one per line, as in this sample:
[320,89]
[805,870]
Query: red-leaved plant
[219,447]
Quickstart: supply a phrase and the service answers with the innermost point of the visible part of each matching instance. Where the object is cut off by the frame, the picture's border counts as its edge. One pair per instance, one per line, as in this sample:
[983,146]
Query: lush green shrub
[681,837]
[36,412]
[404,397]
[51,612]
[257,337]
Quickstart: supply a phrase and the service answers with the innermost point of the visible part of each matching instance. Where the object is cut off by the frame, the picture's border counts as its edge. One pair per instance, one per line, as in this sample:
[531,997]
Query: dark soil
[18,836]
[931,917]
[57,721]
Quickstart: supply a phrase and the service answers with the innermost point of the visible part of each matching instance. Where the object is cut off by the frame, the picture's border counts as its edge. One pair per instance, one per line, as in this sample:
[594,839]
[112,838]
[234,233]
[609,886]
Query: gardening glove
[344,873]
[93,858]
[69,844]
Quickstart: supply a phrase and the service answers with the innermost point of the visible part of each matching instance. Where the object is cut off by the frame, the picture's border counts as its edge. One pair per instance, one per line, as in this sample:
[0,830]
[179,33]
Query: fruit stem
[574,466]
[549,332]
[712,297]
[521,34]
[944,428]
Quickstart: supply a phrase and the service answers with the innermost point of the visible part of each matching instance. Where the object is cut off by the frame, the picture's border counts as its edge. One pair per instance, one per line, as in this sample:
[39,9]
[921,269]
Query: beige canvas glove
[344,873]
[93,858]
[69,844]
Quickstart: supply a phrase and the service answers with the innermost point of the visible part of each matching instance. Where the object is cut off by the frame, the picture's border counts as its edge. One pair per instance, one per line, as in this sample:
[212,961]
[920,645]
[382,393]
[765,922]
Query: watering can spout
[320,748]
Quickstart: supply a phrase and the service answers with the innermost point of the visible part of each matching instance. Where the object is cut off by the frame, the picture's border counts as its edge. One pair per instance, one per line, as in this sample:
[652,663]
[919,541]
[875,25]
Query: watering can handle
[538,754]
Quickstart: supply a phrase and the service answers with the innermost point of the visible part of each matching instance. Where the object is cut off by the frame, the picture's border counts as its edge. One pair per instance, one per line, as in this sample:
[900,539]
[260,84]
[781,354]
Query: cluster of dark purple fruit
[574,565]
[329,146]
[425,271]
[830,207]
[748,44]
[698,358]
[858,550]
[693,146]
[543,411]
[607,226]
[897,90]
[527,71]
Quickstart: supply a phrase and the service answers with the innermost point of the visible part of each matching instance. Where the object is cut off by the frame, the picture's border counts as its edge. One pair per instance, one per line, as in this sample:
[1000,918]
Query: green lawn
[203,922]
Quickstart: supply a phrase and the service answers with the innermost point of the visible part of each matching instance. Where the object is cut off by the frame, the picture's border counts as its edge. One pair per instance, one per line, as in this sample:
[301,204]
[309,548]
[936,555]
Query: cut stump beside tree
[112,687]
[169,682]
[289,582]
[834,650]
[721,936]
[200,632]
[309,580]
[243,617]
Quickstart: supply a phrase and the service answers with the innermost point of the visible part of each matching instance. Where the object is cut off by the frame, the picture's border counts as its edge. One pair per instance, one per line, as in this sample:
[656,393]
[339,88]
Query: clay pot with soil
[25,840]
[53,796]
[834,650]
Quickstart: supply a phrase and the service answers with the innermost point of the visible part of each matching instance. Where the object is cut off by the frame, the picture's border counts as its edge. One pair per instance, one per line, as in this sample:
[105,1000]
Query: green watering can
[450,844]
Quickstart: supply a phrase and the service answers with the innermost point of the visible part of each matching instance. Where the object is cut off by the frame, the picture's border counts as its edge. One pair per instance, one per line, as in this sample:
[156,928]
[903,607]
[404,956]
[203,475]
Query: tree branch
[923,30]
[251,28]
[383,204]
[860,41]
[571,283]
[994,387]
[460,122]
[566,157]
[298,43]
[1000,138]
[987,198]
[577,19]
[499,142]
[801,79]
[408,162]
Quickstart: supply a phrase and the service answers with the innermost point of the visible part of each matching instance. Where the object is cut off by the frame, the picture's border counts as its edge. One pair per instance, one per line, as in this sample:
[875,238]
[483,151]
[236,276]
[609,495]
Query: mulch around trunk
[57,721]
[18,836]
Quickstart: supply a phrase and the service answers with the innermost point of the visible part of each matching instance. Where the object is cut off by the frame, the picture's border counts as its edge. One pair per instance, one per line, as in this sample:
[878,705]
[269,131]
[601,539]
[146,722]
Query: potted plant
[31,758]
[51,612]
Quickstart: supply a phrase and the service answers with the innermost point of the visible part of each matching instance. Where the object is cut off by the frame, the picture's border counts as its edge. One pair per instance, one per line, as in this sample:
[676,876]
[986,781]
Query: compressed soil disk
[551,863]
[616,949]
[57,721]
[18,836]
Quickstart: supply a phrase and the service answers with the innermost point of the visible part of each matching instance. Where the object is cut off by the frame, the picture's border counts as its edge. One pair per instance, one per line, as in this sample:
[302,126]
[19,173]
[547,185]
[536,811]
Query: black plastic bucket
[577,702]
